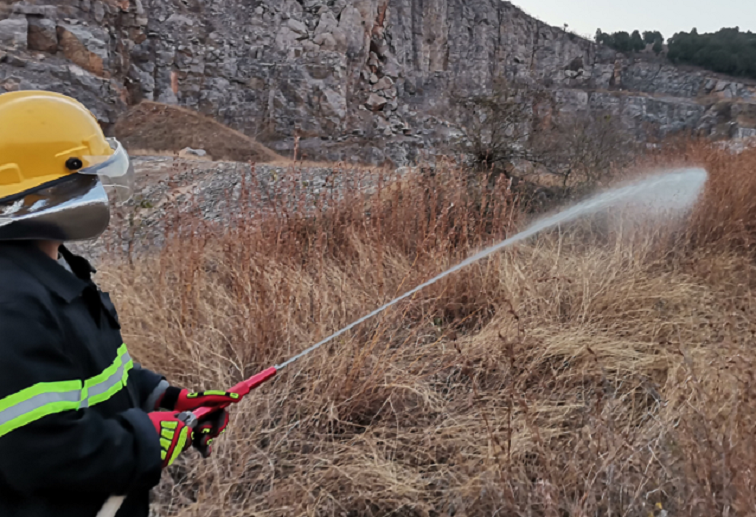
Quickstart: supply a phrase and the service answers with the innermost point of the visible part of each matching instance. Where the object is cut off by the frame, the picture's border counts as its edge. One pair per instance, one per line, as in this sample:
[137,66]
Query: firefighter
[80,421]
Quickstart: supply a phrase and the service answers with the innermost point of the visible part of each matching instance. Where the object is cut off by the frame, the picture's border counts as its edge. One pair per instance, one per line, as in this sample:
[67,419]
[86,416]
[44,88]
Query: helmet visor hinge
[74,164]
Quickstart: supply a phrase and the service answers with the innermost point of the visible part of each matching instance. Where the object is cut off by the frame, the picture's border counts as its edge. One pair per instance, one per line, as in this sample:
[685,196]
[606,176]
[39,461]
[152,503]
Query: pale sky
[667,16]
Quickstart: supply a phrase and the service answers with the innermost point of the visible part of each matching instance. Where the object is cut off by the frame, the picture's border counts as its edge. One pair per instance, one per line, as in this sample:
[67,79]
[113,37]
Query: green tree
[604,39]
[658,47]
[622,41]
[636,42]
[650,37]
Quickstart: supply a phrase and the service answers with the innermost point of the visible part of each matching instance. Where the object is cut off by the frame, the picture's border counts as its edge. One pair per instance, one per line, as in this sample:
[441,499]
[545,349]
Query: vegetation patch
[601,368]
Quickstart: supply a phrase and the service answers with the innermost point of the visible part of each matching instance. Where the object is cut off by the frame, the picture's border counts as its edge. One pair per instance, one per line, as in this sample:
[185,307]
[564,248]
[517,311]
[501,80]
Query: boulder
[385,83]
[375,102]
[83,47]
[326,40]
[188,151]
[14,33]
[286,39]
[397,125]
[297,26]
[43,34]
[352,24]
[334,104]
[327,23]
[99,9]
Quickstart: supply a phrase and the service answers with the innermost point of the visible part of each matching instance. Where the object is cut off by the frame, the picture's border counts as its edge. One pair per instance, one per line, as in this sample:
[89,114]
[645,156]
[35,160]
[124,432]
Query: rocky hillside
[351,78]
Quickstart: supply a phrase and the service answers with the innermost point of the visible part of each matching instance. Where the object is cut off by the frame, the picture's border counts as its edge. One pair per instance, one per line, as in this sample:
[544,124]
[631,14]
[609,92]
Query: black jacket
[73,426]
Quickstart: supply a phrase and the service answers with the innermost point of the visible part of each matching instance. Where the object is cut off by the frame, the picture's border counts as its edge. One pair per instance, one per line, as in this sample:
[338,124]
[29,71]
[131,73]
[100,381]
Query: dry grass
[311,164]
[162,128]
[172,154]
[590,371]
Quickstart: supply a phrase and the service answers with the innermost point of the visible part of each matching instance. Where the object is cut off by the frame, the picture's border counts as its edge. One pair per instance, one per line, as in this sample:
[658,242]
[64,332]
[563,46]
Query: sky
[667,16]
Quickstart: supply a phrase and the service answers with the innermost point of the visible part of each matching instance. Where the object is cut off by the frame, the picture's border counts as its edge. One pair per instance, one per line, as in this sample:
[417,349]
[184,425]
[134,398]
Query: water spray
[673,192]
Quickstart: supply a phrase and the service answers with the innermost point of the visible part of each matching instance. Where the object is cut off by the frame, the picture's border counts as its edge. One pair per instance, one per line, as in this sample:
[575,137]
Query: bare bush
[520,132]
[584,149]
[496,127]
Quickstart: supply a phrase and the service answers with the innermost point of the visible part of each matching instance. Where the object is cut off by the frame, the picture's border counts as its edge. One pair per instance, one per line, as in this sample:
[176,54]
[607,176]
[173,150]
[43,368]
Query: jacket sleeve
[46,440]
[150,386]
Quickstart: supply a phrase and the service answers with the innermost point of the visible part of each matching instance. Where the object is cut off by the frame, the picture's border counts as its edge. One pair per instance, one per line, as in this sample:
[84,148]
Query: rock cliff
[367,79]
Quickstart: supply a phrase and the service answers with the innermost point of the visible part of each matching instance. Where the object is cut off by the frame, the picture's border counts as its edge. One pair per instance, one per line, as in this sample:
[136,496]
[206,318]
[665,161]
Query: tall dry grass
[599,369]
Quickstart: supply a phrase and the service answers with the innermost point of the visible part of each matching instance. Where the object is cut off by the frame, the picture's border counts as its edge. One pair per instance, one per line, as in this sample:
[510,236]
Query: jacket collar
[55,277]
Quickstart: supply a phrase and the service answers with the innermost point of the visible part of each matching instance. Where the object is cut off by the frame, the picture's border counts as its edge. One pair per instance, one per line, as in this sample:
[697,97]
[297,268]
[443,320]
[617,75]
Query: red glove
[175,399]
[207,430]
[175,436]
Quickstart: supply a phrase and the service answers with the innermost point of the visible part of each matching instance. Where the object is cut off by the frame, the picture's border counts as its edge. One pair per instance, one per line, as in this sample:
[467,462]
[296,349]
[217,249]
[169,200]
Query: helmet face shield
[73,209]
[115,172]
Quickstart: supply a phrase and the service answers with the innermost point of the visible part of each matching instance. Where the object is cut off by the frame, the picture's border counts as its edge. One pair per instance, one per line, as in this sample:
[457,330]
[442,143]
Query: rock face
[351,79]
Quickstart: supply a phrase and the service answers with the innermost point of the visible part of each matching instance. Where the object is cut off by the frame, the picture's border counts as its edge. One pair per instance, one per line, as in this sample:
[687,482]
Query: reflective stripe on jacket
[73,429]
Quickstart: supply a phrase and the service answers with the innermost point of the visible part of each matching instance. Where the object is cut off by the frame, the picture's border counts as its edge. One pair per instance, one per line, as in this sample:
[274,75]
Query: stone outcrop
[351,79]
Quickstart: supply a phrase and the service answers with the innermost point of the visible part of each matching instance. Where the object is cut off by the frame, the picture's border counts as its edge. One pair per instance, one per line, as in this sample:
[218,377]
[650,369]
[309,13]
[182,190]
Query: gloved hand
[176,399]
[175,436]
[207,430]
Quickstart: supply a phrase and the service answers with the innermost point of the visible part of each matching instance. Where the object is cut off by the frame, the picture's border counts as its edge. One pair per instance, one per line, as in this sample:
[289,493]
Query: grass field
[601,369]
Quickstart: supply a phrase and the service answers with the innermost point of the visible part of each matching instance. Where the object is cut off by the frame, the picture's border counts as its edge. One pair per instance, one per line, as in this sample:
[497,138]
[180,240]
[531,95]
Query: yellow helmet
[54,164]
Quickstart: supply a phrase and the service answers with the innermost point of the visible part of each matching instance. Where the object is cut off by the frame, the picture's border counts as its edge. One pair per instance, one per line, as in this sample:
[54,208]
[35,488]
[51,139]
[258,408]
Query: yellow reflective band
[179,446]
[166,444]
[36,402]
[212,393]
[49,398]
[170,425]
[103,386]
